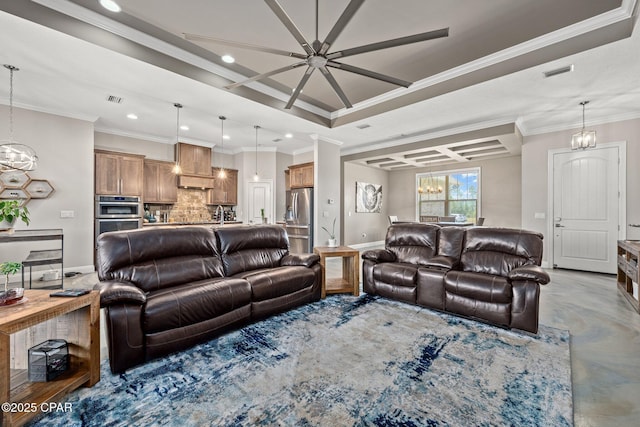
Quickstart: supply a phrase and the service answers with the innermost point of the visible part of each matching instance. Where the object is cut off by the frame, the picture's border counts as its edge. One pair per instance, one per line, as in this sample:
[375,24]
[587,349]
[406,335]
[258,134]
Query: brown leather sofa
[489,274]
[166,289]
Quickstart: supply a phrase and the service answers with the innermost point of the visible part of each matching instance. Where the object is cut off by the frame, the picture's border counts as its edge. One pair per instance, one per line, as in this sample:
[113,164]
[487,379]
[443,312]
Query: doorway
[588,207]
[260,196]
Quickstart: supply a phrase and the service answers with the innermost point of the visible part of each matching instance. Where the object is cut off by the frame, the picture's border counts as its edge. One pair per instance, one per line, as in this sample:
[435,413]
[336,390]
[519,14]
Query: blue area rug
[344,361]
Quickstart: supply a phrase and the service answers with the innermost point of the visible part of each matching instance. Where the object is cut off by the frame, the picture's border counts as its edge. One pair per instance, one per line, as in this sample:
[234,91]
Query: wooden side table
[350,280]
[77,320]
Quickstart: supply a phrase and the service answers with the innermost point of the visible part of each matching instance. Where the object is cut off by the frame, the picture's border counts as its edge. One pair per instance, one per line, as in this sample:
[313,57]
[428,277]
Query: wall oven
[116,213]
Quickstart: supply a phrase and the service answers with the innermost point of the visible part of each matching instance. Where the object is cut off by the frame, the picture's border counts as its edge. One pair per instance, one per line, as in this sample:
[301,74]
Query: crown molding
[66,114]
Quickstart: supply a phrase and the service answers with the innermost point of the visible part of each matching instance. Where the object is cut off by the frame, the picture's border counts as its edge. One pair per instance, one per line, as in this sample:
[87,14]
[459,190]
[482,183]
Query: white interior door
[260,196]
[586,209]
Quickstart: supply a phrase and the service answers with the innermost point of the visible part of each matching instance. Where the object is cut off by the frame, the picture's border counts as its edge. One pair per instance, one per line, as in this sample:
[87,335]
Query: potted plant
[10,296]
[264,219]
[332,234]
[10,211]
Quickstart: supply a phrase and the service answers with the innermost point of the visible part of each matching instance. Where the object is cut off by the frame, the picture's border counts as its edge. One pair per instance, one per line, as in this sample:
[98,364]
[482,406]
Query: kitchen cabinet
[160,183]
[118,173]
[287,180]
[225,190]
[194,159]
[301,176]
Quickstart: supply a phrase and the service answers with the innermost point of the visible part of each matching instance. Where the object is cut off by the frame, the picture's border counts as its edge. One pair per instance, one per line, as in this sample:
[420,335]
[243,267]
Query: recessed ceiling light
[132,116]
[110,5]
[184,127]
[228,59]
[226,137]
[288,135]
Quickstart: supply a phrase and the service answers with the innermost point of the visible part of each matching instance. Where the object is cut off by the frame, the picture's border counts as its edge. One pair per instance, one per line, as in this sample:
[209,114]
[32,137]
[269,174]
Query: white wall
[65,151]
[535,173]
[326,186]
[373,225]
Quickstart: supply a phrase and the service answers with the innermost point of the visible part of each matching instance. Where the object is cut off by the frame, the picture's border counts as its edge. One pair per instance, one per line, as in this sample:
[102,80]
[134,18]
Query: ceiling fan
[317,55]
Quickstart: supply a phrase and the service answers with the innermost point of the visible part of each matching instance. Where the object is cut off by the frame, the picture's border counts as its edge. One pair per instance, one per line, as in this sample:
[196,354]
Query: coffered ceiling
[486,74]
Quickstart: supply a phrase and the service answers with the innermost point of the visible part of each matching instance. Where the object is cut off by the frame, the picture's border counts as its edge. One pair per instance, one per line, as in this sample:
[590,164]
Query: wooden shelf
[81,325]
[628,277]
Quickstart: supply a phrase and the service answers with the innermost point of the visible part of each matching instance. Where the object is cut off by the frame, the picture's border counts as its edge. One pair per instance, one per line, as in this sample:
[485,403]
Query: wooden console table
[78,322]
[350,280]
[628,276]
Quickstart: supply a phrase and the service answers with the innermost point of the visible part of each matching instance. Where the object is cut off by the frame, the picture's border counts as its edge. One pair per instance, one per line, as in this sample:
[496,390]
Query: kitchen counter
[201,223]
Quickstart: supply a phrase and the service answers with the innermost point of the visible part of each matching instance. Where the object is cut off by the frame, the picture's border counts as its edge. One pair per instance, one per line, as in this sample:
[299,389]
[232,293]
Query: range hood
[196,181]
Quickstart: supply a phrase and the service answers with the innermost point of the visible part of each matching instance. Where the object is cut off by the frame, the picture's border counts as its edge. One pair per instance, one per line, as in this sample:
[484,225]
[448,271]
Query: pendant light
[176,167]
[222,174]
[256,177]
[583,139]
[13,155]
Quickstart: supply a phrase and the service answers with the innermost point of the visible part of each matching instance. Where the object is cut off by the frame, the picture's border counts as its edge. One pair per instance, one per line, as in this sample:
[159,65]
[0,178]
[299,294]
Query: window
[449,193]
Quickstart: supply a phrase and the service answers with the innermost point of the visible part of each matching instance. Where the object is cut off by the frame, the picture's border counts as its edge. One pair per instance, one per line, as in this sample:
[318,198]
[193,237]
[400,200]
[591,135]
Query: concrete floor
[605,343]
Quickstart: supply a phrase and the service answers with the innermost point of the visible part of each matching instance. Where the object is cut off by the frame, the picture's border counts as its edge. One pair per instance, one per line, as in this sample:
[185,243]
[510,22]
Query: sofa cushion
[499,250]
[395,274]
[251,248]
[160,257]
[480,287]
[412,243]
[193,303]
[276,282]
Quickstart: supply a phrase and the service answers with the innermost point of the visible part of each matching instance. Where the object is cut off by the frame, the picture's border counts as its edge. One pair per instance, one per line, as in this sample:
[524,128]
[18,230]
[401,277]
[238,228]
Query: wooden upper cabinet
[194,159]
[287,180]
[225,191]
[301,176]
[160,183]
[118,173]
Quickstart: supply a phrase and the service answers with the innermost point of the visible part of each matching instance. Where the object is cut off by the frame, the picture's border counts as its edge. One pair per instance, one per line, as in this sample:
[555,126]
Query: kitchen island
[186,223]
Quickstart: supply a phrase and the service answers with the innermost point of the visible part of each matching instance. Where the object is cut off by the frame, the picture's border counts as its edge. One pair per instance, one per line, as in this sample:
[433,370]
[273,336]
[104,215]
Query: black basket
[48,360]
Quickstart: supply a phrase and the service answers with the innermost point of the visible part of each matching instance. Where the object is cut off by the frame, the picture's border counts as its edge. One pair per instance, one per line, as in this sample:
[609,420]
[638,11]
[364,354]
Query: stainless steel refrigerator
[299,220]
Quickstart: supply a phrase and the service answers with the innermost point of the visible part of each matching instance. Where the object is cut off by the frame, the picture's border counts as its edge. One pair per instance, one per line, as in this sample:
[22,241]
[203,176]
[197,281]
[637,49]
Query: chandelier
[13,155]
[583,139]
[432,186]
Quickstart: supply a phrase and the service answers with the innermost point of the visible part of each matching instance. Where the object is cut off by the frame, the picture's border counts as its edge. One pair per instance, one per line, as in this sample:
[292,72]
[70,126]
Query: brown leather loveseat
[168,288]
[490,274]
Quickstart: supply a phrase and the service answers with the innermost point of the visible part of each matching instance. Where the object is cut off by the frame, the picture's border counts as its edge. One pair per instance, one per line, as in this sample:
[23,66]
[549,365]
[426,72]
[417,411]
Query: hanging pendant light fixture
[583,139]
[176,167]
[13,155]
[256,177]
[222,174]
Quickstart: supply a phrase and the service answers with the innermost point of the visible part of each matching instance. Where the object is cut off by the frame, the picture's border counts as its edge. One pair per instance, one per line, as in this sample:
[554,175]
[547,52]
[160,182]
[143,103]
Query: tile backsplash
[190,207]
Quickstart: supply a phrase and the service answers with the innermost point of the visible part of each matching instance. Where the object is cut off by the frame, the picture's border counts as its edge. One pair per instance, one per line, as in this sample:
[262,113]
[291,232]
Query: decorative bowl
[12,296]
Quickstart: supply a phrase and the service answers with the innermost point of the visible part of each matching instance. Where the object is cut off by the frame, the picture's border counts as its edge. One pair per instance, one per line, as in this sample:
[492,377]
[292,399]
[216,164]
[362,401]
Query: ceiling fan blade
[430,35]
[298,89]
[196,37]
[284,18]
[368,73]
[342,22]
[265,75]
[336,87]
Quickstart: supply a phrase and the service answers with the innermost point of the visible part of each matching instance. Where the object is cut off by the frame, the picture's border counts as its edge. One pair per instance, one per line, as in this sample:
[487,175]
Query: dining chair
[480,221]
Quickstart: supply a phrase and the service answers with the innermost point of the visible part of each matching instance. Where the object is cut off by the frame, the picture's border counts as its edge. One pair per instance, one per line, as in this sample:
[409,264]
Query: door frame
[622,192]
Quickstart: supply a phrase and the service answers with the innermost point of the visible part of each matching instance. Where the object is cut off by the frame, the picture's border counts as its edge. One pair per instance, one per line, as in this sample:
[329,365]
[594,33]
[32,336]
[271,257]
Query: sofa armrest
[529,272]
[441,261]
[304,260]
[379,255]
[115,292]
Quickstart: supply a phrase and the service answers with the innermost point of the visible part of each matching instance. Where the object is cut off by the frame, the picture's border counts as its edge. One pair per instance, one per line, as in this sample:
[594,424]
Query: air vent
[277,140]
[363,126]
[114,99]
[557,71]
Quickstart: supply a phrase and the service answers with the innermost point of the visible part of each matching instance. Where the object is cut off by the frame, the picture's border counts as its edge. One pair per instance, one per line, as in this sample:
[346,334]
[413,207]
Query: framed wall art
[368,197]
